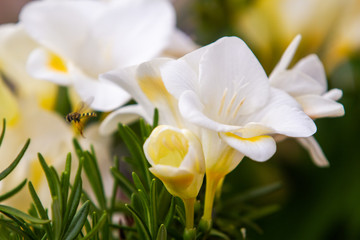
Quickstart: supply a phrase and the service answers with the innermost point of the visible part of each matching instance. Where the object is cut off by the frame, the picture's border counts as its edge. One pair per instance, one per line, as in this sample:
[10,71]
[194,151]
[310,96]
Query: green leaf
[77,222]
[53,181]
[22,215]
[171,212]
[97,227]
[162,233]
[218,234]
[153,208]
[22,225]
[13,191]
[142,229]
[57,218]
[16,229]
[3,131]
[74,198]
[255,193]
[93,173]
[125,184]
[181,213]
[134,145]
[156,118]
[8,170]
[65,179]
[138,184]
[40,209]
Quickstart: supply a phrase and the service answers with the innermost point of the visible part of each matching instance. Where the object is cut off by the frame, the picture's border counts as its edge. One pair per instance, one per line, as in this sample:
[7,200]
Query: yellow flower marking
[56,63]
[169,148]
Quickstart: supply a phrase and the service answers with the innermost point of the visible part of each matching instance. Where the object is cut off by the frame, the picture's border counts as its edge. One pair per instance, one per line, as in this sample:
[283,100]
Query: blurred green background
[314,203]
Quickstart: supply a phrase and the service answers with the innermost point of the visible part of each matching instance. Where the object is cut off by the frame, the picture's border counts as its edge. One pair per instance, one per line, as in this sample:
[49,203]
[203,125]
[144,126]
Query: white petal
[312,66]
[38,66]
[286,58]
[334,94]
[284,116]
[315,151]
[60,25]
[192,110]
[124,115]
[317,106]
[178,76]
[259,148]
[296,83]
[142,31]
[126,79]
[230,64]
[107,95]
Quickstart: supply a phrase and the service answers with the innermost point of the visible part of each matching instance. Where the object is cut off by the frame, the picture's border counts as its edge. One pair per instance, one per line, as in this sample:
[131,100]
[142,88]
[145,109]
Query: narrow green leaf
[93,173]
[57,218]
[13,191]
[125,184]
[74,198]
[162,233]
[40,209]
[22,215]
[153,208]
[138,184]
[218,234]
[3,131]
[54,184]
[65,179]
[156,118]
[181,213]
[97,227]
[134,145]
[21,223]
[8,170]
[14,228]
[77,222]
[255,193]
[171,212]
[142,229]
[78,149]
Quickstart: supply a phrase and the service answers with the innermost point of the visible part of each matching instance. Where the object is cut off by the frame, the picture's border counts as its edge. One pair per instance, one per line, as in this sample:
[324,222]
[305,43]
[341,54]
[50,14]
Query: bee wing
[84,105]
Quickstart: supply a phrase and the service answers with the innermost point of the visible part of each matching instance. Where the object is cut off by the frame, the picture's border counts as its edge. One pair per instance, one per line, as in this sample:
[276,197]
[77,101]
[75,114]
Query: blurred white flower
[52,137]
[81,39]
[307,83]
[15,47]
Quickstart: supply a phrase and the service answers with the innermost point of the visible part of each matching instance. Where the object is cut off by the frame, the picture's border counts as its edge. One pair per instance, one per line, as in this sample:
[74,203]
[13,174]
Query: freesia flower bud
[177,159]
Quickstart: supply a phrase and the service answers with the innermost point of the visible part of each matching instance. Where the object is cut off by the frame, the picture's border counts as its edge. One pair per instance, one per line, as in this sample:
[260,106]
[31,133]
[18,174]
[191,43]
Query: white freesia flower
[81,39]
[145,84]
[176,158]
[223,89]
[306,82]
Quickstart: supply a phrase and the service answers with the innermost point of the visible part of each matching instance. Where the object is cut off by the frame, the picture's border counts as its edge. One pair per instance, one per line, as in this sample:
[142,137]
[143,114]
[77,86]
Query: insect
[79,116]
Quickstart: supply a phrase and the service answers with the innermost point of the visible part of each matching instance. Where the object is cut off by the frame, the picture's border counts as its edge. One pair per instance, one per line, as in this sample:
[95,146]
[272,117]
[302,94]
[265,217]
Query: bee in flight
[79,116]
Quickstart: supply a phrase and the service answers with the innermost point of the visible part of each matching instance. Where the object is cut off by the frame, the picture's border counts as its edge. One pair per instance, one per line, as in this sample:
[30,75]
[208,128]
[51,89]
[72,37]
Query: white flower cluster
[216,103]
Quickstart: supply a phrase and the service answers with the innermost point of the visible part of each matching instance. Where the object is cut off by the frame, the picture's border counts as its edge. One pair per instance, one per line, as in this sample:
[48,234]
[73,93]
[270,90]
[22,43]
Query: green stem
[189,212]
